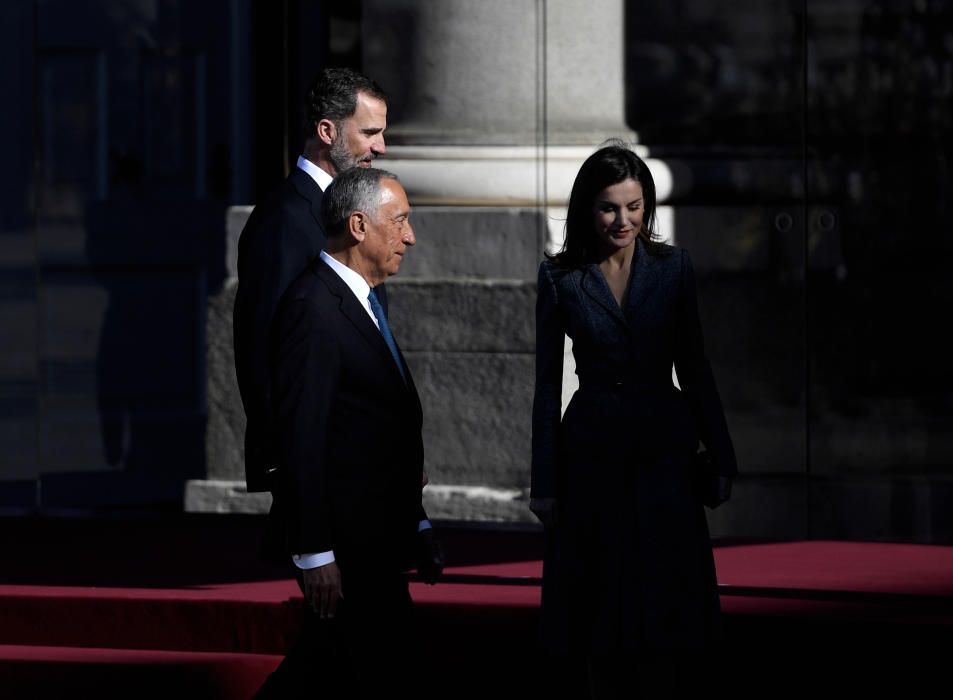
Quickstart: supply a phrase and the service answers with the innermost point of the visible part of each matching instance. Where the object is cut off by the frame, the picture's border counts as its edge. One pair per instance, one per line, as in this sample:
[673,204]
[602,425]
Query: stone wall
[462,309]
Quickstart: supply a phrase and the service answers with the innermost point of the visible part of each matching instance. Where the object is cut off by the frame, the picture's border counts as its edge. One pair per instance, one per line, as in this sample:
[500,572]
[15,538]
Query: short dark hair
[611,164]
[333,95]
[356,189]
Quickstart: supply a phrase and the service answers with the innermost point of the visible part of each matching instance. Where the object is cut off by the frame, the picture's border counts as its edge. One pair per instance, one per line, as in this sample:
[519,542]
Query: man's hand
[322,589]
[430,557]
[544,509]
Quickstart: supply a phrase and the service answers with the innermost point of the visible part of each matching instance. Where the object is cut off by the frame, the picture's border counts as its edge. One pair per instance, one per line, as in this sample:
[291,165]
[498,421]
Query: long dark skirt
[629,566]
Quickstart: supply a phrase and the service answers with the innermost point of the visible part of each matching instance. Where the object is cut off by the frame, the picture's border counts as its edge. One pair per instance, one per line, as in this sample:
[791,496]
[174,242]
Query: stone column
[493,106]
[498,102]
[499,72]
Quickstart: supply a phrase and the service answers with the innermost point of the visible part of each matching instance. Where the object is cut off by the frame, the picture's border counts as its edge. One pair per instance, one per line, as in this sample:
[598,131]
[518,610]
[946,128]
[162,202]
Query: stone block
[763,508]
[225,430]
[488,242]
[494,242]
[441,502]
[223,496]
[235,220]
[477,416]
[463,315]
[446,502]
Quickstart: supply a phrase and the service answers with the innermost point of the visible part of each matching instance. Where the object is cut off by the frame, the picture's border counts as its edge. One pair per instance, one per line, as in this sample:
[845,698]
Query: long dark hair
[609,165]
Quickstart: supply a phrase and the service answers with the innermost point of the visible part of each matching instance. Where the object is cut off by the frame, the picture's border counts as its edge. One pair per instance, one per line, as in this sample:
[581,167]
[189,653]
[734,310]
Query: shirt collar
[317,174]
[352,279]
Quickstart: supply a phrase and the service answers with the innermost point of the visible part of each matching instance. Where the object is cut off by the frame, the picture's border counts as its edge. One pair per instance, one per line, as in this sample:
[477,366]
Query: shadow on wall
[157,259]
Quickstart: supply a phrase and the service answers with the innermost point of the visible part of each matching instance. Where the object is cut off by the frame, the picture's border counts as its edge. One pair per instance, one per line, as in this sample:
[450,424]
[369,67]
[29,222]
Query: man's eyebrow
[372,130]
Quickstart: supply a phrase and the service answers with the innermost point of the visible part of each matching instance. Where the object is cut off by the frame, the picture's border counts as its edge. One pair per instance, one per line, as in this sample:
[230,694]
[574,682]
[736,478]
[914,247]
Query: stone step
[441,501]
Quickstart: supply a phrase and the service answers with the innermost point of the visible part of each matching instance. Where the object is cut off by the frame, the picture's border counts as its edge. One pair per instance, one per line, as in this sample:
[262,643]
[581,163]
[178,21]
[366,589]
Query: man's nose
[409,237]
[378,147]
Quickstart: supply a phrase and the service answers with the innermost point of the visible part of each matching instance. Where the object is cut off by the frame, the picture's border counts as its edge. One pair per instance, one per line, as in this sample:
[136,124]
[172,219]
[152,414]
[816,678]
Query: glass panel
[714,91]
[130,221]
[880,131]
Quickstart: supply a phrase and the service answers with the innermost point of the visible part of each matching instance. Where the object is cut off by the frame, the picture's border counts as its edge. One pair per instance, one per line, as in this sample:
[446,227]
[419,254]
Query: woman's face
[617,212]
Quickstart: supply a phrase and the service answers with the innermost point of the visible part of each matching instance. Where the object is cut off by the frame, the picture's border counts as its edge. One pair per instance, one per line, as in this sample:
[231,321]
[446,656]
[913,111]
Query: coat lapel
[642,281]
[356,314]
[594,284]
[641,284]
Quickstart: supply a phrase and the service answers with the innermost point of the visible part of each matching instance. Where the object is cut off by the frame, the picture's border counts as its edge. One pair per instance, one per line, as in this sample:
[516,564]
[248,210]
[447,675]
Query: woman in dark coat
[629,571]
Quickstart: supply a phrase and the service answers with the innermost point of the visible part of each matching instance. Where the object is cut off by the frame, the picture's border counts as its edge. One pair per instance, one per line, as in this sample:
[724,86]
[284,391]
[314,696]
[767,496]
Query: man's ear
[357,225]
[326,131]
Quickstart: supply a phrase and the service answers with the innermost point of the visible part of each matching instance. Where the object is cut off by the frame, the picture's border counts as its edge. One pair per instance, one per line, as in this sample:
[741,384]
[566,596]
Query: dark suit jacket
[282,236]
[347,429]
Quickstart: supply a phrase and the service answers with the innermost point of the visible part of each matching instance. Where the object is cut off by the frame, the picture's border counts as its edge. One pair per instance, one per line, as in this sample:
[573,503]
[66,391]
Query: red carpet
[862,567]
[810,599]
[74,672]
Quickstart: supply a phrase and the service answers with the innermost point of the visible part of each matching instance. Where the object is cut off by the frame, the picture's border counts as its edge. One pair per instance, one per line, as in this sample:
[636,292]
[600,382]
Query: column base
[501,175]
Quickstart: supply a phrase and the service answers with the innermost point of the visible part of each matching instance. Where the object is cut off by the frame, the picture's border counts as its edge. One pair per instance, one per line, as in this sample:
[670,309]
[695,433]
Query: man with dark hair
[345,115]
[347,432]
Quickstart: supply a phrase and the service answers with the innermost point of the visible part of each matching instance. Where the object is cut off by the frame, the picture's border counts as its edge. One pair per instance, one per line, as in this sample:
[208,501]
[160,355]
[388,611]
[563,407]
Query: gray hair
[357,189]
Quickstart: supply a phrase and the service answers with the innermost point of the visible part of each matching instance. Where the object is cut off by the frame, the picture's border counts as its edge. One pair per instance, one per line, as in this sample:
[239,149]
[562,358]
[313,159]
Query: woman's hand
[544,509]
[722,490]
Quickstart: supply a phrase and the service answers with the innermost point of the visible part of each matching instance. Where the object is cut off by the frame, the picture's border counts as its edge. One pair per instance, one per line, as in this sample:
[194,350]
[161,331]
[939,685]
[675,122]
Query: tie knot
[376,307]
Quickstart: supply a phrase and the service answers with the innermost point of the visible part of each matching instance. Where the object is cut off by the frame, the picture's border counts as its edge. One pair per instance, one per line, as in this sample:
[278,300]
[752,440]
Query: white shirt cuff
[312,561]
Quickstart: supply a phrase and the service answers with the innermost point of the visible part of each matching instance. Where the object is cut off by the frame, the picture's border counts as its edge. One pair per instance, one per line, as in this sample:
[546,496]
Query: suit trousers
[365,651]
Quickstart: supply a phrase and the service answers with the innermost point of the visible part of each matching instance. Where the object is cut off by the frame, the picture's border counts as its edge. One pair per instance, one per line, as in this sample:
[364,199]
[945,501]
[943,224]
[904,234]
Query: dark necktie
[385,331]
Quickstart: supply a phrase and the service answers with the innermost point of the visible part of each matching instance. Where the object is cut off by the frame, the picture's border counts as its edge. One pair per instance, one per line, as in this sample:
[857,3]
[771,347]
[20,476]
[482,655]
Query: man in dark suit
[346,115]
[347,428]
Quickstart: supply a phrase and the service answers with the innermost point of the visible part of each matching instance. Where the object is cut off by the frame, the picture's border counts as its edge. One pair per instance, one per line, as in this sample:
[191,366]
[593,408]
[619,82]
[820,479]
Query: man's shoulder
[286,201]
[284,217]
[311,301]
[316,283]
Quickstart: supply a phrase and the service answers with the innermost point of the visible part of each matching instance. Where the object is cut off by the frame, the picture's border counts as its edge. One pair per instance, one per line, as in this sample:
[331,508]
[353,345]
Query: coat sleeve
[695,376]
[271,255]
[547,398]
[306,362]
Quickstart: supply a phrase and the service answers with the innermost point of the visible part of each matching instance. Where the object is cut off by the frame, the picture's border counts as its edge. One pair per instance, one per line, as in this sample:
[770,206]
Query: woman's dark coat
[629,563]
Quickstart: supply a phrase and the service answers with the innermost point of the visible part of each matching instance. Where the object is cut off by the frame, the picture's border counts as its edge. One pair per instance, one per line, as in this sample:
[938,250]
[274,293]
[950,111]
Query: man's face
[359,139]
[389,232]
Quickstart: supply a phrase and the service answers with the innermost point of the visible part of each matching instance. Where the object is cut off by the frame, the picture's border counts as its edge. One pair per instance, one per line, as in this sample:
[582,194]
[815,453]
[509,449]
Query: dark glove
[430,558]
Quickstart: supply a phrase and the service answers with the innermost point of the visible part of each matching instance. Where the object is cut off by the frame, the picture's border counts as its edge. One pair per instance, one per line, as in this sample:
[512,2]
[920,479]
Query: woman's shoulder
[668,256]
[551,270]
[551,267]
[663,249]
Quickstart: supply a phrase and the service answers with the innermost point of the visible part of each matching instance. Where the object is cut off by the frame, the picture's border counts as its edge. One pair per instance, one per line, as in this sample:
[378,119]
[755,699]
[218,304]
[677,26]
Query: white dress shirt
[319,176]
